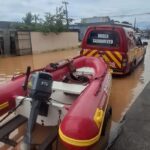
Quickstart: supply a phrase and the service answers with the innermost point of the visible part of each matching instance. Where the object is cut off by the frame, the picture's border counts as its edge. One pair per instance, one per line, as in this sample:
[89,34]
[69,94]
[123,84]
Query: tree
[60,18]
[30,22]
[50,23]
[28,19]
[55,22]
[36,18]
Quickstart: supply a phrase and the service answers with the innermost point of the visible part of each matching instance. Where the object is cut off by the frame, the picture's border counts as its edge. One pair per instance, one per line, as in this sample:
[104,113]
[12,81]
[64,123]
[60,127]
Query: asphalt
[135,131]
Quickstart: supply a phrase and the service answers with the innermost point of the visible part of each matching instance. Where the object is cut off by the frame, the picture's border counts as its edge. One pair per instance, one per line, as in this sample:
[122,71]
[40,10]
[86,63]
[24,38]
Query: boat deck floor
[135,134]
[64,98]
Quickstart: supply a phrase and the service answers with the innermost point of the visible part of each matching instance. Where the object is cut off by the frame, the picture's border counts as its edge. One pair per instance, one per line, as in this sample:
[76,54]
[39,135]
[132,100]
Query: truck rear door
[105,43]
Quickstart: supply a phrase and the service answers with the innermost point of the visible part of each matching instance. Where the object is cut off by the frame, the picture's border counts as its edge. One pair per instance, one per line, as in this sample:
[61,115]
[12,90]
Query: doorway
[13,43]
[1,46]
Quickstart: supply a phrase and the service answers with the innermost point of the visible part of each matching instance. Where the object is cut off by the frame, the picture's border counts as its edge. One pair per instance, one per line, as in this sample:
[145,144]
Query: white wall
[51,41]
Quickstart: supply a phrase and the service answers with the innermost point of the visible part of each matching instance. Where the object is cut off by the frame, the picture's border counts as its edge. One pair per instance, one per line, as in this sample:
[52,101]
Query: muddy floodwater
[124,89]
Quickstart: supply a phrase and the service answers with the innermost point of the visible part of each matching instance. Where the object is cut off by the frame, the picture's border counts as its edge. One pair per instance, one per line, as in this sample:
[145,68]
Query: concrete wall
[6,37]
[49,42]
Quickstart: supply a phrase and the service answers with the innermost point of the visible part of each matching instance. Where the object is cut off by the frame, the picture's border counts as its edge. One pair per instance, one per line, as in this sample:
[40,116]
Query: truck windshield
[103,38]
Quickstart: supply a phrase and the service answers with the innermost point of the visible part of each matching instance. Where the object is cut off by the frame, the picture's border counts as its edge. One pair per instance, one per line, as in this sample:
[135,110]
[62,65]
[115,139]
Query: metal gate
[1,46]
[23,43]
[1,43]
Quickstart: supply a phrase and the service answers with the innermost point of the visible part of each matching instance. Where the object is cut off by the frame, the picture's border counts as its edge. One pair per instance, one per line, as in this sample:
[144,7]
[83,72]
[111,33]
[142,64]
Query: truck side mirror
[145,43]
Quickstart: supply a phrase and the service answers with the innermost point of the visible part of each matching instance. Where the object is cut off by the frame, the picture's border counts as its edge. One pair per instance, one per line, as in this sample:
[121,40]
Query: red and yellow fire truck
[118,45]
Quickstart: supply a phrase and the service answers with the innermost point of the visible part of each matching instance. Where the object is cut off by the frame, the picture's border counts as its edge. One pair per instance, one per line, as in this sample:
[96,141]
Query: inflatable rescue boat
[72,94]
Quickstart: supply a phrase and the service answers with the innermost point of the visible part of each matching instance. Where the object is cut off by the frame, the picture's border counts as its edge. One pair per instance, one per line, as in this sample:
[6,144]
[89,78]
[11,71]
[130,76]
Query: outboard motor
[39,89]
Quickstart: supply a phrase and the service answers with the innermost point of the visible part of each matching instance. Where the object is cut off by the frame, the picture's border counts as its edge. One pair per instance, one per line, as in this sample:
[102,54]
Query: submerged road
[124,89]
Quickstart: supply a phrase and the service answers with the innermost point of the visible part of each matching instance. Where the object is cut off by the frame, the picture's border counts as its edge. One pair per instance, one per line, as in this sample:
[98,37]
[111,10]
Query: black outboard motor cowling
[40,86]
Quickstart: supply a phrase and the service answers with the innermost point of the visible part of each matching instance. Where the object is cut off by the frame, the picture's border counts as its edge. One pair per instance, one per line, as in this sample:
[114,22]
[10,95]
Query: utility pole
[66,12]
[134,23]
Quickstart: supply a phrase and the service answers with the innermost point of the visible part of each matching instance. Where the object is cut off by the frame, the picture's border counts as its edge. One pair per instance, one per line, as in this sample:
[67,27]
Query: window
[104,38]
[1,33]
[138,41]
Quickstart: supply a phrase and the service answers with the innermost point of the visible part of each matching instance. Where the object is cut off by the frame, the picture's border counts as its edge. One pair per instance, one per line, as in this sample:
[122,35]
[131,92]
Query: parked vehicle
[118,46]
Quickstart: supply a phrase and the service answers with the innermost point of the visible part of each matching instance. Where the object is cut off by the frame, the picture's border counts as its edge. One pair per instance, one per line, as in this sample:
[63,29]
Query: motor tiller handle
[25,84]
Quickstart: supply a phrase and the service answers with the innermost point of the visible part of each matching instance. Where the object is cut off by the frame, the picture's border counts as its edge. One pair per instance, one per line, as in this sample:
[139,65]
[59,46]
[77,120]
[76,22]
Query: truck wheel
[132,66]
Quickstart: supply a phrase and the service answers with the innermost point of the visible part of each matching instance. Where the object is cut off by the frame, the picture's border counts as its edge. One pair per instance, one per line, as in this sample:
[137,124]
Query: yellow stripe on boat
[79,143]
[4,105]
[83,143]
[98,117]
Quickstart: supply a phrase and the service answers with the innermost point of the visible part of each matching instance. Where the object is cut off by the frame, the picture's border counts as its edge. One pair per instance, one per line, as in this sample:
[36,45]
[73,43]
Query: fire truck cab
[119,46]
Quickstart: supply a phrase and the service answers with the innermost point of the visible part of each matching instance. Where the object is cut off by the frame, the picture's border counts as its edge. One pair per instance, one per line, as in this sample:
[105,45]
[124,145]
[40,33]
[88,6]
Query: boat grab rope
[13,110]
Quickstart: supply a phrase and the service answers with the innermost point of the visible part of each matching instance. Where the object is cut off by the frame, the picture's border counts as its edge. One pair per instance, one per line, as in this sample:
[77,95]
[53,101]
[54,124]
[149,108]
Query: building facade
[12,41]
[7,37]
[86,22]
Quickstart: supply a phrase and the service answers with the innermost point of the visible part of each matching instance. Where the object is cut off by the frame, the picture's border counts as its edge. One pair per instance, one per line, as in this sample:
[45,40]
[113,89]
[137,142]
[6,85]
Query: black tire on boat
[108,115]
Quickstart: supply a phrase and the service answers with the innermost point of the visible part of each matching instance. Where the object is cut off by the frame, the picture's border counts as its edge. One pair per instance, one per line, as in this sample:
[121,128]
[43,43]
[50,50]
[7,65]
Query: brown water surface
[13,65]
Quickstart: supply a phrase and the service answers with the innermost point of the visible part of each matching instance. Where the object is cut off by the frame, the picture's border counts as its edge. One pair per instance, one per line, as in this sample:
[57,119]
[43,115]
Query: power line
[66,12]
[130,15]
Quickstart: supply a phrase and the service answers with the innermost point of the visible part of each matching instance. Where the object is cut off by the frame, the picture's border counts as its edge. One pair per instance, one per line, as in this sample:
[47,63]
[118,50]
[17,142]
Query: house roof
[7,25]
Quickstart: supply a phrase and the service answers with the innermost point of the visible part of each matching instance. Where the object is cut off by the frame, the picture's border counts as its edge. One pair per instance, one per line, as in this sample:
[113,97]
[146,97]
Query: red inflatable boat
[80,90]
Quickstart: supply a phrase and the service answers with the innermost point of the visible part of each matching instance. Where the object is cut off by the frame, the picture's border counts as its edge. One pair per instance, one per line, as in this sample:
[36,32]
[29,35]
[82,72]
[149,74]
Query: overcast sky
[14,10]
